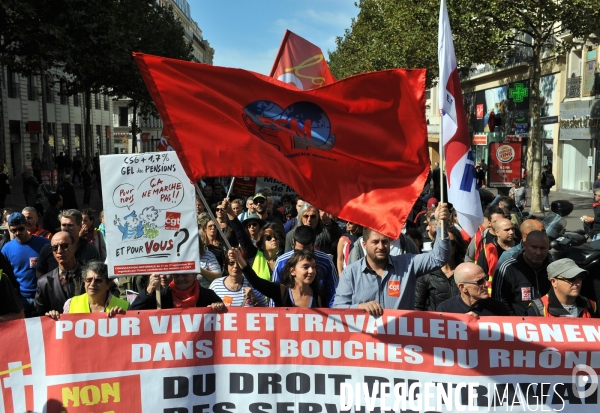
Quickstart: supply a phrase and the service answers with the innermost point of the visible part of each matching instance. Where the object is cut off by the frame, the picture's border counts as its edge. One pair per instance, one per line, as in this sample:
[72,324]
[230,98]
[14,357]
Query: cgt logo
[394,288]
[173,220]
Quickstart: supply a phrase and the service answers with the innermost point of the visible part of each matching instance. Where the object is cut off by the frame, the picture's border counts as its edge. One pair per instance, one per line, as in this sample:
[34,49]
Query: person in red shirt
[32,225]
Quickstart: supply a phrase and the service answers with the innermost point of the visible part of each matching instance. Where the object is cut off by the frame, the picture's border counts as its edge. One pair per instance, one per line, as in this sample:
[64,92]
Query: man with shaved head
[524,278]
[492,251]
[474,298]
[527,226]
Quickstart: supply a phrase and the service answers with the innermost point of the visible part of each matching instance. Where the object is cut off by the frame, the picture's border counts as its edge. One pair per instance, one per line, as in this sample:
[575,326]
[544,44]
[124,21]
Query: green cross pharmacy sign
[518,92]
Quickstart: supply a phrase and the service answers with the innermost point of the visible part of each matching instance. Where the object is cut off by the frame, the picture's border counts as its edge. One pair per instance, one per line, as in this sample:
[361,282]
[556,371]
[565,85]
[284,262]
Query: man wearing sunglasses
[310,216]
[564,298]
[260,202]
[63,282]
[474,298]
[22,254]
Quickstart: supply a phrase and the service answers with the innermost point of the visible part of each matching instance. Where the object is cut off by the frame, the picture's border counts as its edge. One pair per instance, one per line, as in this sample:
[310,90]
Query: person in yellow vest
[97,297]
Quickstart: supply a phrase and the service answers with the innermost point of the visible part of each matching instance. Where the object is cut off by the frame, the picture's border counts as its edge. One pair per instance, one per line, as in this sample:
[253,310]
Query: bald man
[504,240]
[524,278]
[474,298]
[527,226]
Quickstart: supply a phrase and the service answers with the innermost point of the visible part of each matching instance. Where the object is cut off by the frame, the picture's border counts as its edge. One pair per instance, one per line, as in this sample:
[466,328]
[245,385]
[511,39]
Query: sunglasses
[64,246]
[270,237]
[575,280]
[480,282]
[309,216]
[94,280]
[18,229]
[252,224]
[259,201]
[220,210]
[180,275]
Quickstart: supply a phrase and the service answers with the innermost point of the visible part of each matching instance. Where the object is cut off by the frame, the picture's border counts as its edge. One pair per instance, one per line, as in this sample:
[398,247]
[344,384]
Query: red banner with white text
[292,360]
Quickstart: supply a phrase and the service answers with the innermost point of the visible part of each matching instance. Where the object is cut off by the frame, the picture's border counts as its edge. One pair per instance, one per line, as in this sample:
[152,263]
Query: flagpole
[211,215]
[441,149]
[230,187]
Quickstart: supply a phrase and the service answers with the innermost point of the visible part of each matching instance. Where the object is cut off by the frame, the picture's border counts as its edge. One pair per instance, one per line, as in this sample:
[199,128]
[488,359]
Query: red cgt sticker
[173,220]
[394,288]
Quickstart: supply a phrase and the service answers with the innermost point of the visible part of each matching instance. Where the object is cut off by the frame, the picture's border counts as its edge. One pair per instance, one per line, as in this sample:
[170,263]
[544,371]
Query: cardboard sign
[149,205]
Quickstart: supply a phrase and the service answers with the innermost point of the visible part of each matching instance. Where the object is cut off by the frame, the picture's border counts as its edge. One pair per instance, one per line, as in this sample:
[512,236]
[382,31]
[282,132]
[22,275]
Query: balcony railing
[573,87]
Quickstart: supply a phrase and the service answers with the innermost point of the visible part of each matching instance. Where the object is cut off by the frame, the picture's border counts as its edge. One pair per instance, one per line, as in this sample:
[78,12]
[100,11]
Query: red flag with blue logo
[356,148]
[460,161]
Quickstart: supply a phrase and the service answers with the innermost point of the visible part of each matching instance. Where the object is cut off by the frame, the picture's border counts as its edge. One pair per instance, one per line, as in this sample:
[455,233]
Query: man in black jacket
[523,278]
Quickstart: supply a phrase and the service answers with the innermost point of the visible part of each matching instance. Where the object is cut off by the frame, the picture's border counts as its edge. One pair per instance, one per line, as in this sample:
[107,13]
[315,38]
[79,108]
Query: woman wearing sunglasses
[269,245]
[97,297]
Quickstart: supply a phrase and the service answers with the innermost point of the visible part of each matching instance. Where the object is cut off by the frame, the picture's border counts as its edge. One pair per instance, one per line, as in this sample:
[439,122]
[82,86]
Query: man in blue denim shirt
[380,281]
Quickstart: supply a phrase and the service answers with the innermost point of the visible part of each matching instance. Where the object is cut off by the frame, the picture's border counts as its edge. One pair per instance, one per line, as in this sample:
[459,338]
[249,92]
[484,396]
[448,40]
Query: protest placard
[149,209]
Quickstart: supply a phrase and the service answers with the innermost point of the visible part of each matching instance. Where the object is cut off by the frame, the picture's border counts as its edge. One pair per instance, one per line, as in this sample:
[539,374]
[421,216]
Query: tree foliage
[391,34]
[403,34]
[91,42]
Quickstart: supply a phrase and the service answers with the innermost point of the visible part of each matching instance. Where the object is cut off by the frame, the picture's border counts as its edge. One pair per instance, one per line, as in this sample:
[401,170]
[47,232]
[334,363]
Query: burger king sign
[505,164]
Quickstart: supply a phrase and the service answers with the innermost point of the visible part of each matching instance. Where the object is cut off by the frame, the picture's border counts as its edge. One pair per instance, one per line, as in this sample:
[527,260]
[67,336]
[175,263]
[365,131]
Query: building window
[105,102]
[76,99]
[49,94]
[31,90]
[96,101]
[123,116]
[12,84]
[64,98]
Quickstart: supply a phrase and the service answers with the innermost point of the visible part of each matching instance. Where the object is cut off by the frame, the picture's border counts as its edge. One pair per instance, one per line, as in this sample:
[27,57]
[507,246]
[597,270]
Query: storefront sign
[279,360]
[549,120]
[479,139]
[580,120]
[480,111]
[505,164]
[149,204]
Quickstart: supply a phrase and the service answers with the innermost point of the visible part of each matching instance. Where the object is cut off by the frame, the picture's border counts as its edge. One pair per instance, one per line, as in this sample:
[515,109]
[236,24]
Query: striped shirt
[234,298]
[327,272]
[208,262]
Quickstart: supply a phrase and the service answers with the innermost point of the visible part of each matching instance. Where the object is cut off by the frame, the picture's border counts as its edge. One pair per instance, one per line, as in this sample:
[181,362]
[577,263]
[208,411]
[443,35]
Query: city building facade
[21,98]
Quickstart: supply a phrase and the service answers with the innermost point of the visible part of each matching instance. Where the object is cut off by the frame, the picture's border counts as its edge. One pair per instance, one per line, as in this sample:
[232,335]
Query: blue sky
[247,33]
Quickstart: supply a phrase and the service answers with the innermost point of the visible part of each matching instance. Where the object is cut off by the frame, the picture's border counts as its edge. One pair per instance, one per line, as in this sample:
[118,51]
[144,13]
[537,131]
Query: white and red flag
[460,161]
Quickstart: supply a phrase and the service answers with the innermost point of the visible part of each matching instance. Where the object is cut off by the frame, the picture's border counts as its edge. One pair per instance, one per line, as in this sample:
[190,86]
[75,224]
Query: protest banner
[149,209]
[297,360]
[277,188]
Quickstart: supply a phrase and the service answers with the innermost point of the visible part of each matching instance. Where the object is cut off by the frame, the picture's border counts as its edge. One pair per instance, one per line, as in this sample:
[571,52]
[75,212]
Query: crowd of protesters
[284,252]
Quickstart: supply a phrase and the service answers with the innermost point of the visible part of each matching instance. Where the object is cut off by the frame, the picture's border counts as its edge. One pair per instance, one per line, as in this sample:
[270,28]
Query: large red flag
[356,148]
[301,63]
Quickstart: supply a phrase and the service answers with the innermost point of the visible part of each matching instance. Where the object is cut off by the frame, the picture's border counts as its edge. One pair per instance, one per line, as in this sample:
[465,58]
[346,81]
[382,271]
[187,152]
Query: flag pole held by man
[356,148]
[460,165]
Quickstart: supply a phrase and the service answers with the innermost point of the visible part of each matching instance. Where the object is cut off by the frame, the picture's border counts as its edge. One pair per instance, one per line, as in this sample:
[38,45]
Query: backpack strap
[538,306]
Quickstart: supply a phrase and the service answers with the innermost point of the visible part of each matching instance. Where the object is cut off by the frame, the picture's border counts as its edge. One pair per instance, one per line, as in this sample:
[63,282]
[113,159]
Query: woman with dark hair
[269,245]
[299,285]
[347,240]
[97,297]
[436,287]
[235,290]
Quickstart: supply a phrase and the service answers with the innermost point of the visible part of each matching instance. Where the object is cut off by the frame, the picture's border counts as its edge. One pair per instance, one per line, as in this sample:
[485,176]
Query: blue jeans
[28,307]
